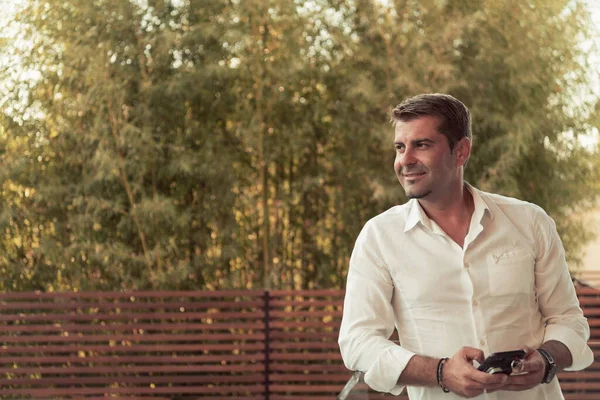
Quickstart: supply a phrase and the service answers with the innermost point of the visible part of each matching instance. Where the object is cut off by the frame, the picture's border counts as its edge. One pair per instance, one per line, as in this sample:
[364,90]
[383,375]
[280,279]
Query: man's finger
[489,379]
[528,350]
[518,380]
[490,386]
[528,367]
[533,364]
[522,382]
[471,353]
[518,387]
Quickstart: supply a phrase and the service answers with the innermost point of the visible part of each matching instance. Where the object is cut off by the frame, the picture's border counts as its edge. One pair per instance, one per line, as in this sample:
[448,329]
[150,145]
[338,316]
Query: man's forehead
[425,126]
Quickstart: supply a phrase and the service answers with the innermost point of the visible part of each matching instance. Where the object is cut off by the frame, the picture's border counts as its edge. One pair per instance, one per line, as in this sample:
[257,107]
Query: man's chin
[418,195]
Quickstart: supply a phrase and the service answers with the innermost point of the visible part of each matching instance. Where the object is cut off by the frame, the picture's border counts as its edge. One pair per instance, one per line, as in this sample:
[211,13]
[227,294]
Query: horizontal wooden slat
[278,303]
[303,324]
[286,396]
[307,293]
[580,385]
[134,397]
[305,388]
[140,329]
[290,367]
[102,396]
[591,312]
[230,396]
[589,301]
[310,314]
[131,348]
[119,339]
[135,359]
[205,397]
[181,327]
[195,379]
[581,396]
[316,377]
[304,345]
[135,369]
[70,306]
[586,292]
[245,293]
[304,356]
[129,316]
[282,335]
[139,390]
[585,374]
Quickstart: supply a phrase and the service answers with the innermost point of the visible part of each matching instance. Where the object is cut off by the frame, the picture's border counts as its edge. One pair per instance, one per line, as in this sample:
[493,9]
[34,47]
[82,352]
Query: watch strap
[551,367]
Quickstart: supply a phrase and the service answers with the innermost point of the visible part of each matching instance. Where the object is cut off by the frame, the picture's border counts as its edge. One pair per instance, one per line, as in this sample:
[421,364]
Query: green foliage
[237,144]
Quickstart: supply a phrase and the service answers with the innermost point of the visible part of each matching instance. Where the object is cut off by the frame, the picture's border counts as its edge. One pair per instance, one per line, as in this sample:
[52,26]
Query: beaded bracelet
[440,367]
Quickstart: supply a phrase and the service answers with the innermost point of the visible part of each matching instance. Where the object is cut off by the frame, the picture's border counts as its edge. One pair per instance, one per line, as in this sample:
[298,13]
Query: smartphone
[502,362]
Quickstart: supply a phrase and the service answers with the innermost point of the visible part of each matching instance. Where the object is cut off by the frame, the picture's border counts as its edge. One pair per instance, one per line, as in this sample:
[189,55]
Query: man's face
[424,164]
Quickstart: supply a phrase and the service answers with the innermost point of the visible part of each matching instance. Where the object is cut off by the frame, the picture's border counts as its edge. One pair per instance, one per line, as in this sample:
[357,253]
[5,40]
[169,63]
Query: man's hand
[461,377]
[534,368]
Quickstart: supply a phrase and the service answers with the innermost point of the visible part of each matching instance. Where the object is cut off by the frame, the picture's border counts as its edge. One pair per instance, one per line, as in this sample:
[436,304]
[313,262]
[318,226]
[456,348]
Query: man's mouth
[413,175]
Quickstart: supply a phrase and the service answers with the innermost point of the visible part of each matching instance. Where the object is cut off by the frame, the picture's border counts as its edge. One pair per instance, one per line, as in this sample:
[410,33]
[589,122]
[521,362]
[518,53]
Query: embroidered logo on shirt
[505,252]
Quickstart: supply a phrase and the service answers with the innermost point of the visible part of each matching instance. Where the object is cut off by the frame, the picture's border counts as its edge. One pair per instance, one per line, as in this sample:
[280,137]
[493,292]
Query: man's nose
[407,158]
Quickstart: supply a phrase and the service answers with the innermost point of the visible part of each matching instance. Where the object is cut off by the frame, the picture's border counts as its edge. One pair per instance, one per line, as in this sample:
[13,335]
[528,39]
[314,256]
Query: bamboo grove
[210,144]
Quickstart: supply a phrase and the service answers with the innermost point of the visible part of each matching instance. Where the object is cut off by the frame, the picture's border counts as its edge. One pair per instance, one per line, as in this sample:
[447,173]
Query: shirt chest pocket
[511,275]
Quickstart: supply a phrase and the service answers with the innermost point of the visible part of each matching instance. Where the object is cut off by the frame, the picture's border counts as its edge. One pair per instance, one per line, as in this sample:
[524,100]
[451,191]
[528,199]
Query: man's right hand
[461,377]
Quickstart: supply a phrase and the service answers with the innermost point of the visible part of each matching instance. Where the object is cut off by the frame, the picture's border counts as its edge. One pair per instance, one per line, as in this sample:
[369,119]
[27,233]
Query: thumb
[528,350]
[471,353]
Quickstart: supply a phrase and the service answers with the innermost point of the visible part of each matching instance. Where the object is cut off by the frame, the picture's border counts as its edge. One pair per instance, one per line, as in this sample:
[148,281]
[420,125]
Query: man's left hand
[534,368]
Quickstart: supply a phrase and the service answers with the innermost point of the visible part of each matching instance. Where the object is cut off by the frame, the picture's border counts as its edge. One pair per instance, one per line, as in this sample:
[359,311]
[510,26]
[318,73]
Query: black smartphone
[502,362]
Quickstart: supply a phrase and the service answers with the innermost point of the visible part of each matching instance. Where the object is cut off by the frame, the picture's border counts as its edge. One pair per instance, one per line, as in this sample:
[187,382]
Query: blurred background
[212,144]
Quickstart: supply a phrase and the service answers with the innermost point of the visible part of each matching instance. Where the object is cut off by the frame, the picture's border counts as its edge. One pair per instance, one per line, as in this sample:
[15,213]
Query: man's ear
[463,151]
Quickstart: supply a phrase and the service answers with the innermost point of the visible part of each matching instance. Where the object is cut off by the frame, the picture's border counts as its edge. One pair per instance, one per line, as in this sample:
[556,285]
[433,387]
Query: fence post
[267,344]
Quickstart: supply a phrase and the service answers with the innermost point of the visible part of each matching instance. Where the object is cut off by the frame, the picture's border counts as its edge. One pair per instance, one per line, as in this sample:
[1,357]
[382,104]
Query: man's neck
[451,208]
[453,214]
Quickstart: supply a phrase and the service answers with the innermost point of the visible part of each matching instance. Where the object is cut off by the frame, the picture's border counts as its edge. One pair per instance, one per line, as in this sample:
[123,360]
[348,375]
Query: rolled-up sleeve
[368,319]
[557,297]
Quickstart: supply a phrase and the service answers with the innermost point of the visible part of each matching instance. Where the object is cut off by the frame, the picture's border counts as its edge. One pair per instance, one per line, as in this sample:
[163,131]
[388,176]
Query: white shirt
[507,287]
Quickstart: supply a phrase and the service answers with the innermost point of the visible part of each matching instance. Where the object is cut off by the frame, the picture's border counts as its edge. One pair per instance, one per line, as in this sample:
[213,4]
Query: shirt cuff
[384,373]
[580,352]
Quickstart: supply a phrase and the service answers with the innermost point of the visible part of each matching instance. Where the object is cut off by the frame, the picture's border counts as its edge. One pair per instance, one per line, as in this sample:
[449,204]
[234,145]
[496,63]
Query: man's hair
[454,117]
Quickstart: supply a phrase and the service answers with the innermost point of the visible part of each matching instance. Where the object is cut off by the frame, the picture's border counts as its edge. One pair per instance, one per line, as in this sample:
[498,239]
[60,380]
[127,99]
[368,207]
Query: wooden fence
[589,277]
[173,345]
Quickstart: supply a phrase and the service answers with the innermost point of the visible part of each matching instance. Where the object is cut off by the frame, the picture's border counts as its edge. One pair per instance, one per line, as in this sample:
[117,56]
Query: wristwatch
[551,367]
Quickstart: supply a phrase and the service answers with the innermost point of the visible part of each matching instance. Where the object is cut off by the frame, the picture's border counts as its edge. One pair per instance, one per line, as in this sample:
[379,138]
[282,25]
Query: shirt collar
[481,202]
[416,213]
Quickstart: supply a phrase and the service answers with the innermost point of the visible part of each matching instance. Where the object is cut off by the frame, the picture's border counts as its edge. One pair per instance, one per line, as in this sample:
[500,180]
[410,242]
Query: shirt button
[475,303]
[482,342]
[467,265]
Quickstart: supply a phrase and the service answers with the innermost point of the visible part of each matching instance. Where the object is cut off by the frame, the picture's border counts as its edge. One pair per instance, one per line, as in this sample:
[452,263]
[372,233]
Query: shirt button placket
[477,313]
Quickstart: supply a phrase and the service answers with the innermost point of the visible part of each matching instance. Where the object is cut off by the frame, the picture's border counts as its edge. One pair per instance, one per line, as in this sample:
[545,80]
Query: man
[461,274]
